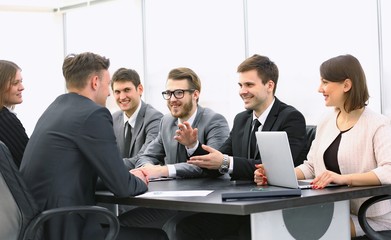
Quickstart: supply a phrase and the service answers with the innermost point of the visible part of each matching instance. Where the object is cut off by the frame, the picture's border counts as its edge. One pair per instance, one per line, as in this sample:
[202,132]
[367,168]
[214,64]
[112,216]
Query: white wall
[386,54]
[34,42]
[299,35]
[206,36]
[112,29]
[212,38]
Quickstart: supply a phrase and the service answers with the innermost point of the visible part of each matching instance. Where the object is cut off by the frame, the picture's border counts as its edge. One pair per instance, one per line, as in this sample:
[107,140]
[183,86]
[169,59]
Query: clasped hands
[140,173]
[151,171]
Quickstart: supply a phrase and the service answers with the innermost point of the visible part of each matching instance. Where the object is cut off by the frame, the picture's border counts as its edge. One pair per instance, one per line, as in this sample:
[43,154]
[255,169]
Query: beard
[183,111]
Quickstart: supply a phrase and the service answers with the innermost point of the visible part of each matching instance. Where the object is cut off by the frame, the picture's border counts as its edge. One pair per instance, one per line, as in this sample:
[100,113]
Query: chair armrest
[38,221]
[362,218]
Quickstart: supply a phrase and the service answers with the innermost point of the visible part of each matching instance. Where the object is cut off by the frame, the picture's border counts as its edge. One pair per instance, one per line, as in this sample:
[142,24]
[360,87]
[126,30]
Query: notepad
[256,193]
[188,193]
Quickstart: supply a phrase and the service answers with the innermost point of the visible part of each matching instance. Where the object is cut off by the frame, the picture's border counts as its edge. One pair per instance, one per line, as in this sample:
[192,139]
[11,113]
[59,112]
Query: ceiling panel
[42,5]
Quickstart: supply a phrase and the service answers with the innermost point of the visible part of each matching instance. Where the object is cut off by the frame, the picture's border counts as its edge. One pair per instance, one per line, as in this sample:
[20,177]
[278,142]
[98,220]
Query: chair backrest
[310,136]
[20,217]
[310,131]
[362,219]
[10,220]
[17,207]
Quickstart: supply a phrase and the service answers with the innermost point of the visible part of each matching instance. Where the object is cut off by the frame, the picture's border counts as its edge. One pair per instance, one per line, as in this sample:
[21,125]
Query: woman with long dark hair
[12,132]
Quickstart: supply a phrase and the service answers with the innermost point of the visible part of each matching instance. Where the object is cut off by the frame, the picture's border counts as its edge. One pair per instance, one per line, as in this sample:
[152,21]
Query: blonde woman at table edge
[352,145]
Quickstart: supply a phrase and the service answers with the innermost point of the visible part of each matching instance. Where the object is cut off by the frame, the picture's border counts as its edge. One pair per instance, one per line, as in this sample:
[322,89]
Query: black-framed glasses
[178,93]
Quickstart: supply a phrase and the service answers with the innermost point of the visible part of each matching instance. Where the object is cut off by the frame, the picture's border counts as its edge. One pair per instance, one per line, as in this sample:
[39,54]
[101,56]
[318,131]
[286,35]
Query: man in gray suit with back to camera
[137,123]
[73,144]
[181,134]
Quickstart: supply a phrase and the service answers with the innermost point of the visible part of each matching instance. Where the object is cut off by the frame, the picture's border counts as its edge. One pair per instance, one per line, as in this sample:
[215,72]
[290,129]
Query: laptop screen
[277,158]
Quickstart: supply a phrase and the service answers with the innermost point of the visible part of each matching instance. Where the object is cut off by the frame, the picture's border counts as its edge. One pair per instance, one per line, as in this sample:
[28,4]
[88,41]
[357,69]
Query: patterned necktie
[128,138]
[253,141]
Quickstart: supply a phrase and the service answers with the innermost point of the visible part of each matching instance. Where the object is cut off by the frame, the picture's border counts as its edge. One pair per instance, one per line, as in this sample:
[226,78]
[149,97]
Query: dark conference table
[326,211]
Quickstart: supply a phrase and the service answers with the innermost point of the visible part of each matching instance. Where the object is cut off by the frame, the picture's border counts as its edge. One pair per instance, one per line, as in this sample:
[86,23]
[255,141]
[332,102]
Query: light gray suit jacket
[213,130]
[145,130]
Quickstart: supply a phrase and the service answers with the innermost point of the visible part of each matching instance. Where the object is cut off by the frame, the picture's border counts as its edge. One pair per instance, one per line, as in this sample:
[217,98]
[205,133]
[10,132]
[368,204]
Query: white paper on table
[189,193]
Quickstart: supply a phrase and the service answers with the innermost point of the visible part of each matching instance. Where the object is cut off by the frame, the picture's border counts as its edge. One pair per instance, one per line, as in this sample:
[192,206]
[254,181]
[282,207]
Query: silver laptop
[277,160]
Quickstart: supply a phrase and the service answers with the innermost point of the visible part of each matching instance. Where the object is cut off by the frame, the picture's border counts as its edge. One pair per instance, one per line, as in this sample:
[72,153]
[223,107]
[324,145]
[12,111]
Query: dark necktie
[253,141]
[181,154]
[128,138]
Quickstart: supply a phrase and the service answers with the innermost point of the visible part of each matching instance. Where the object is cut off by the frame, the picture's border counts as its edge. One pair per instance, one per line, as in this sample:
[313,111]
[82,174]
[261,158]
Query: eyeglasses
[178,93]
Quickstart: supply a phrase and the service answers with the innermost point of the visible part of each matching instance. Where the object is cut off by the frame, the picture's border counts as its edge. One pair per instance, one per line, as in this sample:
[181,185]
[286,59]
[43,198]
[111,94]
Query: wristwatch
[225,165]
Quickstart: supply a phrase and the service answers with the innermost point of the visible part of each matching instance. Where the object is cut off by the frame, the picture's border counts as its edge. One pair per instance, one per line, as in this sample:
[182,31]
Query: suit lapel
[270,120]
[198,117]
[181,153]
[139,125]
[119,131]
[246,134]
[272,117]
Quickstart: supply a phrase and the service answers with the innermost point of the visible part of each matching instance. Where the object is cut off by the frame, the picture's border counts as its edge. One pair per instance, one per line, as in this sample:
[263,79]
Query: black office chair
[362,218]
[310,136]
[20,218]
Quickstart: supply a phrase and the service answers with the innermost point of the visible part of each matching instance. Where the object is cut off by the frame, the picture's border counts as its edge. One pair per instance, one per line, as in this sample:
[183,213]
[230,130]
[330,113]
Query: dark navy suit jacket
[282,117]
[72,145]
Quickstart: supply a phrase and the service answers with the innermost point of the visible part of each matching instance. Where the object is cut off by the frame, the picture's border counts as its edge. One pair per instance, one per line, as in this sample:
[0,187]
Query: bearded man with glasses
[182,132]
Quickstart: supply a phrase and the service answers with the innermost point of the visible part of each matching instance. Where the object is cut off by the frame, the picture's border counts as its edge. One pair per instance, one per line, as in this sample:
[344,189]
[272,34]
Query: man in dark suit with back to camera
[72,145]
[238,156]
[135,115]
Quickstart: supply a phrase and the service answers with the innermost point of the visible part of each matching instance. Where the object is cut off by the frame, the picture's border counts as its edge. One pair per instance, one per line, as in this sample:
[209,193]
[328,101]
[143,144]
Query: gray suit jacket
[213,130]
[145,130]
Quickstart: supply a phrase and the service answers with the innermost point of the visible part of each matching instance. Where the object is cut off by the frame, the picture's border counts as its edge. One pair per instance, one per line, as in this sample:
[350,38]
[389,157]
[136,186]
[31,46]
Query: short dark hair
[342,67]
[266,69]
[125,75]
[8,71]
[186,73]
[78,67]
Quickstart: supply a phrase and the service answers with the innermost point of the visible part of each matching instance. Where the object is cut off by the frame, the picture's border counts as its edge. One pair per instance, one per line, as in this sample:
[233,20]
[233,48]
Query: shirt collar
[11,109]
[132,119]
[191,119]
[264,115]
